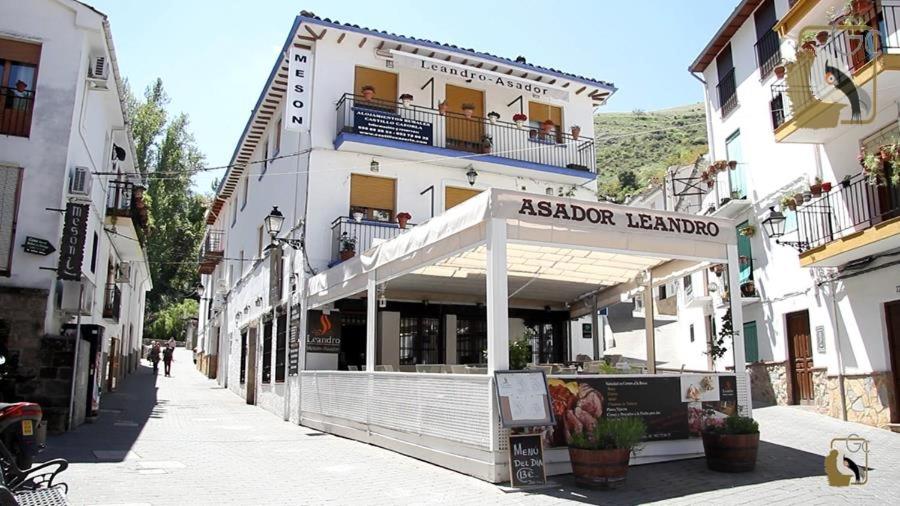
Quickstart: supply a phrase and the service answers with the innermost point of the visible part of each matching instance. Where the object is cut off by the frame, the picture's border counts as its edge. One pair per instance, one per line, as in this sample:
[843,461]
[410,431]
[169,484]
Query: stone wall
[768,383]
[868,397]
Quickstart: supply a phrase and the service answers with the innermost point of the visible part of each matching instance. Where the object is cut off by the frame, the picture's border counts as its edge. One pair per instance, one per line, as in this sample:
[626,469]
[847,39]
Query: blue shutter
[751,347]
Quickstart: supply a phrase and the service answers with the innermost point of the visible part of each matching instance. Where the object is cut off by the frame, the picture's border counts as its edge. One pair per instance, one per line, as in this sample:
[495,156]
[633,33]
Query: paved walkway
[185,441]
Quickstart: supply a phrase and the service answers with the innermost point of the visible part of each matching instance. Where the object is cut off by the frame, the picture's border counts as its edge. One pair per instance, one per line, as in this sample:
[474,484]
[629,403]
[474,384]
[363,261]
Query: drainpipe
[837,349]
[709,127]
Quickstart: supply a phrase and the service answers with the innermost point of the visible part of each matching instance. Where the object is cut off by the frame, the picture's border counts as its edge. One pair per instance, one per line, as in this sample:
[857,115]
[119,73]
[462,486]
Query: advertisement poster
[662,401]
[324,332]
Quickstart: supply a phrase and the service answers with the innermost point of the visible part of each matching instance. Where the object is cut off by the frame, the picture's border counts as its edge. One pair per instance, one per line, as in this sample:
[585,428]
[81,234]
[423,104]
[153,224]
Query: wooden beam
[510,71]
[465,61]
[566,85]
[447,58]
[324,31]
[415,51]
[302,46]
[341,38]
[431,55]
[480,64]
[380,45]
[312,32]
[539,78]
[494,69]
[304,37]
[363,41]
[581,89]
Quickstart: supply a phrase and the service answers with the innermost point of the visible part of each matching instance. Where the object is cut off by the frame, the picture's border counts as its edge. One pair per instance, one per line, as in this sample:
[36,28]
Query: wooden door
[385,84]
[800,359]
[892,317]
[251,366]
[464,133]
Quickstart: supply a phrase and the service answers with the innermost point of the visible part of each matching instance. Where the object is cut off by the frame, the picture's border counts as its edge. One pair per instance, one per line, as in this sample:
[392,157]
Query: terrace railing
[366,233]
[415,125]
[15,111]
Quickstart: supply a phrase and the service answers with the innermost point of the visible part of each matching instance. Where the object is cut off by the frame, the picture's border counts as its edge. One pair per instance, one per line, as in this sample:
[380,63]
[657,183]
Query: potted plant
[368,92]
[519,119]
[826,186]
[816,187]
[736,195]
[717,269]
[822,37]
[807,196]
[779,71]
[731,446]
[487,142]
[468,109]
[732,164]
[808,42]
[744,260]
[748,231]
[493,116]
[748,288]
[406,99]
[798,198]
[442,108]
[348,247]
[547,126]
[576,131]
[600,454]
[402,218]
[845,182]
[358,216]
[788,202]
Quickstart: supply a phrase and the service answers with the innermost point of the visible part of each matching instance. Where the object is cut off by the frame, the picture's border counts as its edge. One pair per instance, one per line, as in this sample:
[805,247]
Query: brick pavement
[183,440]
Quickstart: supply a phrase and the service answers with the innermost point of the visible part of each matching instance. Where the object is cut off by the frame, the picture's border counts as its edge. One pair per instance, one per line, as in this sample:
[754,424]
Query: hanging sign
[526,460]
[71,249]
[390,125]
[523,399]
[294,343]
[324,335]
[38,246]
[296,108]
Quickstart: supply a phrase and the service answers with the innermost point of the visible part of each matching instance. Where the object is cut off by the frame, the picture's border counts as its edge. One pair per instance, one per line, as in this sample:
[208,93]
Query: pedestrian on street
[154,356]
[168,357]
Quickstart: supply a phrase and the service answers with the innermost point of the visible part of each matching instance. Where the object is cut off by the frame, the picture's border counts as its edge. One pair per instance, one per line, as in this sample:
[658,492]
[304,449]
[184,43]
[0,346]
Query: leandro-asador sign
[629,219]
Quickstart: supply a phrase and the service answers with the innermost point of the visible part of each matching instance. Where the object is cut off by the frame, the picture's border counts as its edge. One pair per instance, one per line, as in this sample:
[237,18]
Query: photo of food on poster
[662,401]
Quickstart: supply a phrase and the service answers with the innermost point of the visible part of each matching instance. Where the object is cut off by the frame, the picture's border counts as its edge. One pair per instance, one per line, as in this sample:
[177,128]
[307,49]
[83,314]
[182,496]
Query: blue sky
[214,55]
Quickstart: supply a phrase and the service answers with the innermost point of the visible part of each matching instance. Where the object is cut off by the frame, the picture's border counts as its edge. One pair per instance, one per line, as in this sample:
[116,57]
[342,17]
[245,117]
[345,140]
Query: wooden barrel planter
[730,453]
[599,468]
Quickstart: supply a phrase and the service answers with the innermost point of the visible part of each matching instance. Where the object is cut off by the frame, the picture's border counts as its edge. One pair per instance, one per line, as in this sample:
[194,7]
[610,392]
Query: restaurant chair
[352,368]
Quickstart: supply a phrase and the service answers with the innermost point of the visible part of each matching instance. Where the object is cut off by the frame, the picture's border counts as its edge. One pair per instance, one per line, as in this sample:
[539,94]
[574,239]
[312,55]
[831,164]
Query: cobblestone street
[184,440]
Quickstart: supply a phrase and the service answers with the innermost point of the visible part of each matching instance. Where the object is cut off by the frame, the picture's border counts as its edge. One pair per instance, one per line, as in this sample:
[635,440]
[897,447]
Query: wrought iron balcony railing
[768,52]
[112,300]
[212,250]
[727,91]
[16,108]
[364,233]
[423,126]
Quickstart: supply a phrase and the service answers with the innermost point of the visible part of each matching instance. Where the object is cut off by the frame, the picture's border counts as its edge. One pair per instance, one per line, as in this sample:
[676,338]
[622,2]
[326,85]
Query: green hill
[634,147]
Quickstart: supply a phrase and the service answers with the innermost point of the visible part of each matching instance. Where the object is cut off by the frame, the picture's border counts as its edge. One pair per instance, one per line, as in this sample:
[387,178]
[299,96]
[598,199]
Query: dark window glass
[267,352]
[420,340]
[471,340]
[280,348]
[243,357]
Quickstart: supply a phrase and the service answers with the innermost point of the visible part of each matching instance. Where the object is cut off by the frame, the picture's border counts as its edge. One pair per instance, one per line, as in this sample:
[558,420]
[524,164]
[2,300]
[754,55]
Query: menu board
[523,398]
[673,407]
[526,460]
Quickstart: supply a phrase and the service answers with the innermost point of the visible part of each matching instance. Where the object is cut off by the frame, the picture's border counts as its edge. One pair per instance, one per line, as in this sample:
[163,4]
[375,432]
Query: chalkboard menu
[390,125]
[526,460]
[523,398]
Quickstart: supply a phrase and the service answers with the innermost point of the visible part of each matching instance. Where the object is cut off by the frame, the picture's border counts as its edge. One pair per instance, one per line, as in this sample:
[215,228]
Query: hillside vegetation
[635,147]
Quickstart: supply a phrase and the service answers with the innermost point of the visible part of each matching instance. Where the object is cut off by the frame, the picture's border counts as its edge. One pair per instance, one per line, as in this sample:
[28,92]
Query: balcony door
[464,134]
[384,83]
[456,196]
[372,196]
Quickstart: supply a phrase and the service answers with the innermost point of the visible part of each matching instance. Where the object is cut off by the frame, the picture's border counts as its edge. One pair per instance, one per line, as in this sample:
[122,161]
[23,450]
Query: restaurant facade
[399,214]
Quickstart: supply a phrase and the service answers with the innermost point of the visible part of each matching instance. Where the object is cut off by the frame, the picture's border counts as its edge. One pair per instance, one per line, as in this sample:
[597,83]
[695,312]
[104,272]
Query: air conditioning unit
[70,292]
[124,274]
[80,181]
[99,69]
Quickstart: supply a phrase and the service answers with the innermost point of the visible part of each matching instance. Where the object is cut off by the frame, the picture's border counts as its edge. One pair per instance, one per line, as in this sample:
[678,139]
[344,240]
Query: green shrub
[610,434]
[736,424]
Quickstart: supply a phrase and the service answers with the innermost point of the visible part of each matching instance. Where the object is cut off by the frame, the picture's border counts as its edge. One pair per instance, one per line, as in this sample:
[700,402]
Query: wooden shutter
[372,192]
[10,180]
[385,83]
[538,113]
[21,52]
[455,196]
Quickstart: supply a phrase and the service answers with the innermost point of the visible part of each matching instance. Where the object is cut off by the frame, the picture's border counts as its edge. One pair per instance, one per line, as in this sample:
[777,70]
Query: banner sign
[297,105]
[324,334]
[470,75]
[388,125]
[526,460]
[38,246]
[294,343]
[276,275]
[523,398]
[673,407]
[71,249]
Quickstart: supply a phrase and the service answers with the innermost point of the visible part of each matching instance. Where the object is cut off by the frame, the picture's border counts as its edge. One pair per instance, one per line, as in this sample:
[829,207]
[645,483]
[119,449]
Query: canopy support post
[371,320]
[497,297]
[595,328]
[648,324]
[737,325]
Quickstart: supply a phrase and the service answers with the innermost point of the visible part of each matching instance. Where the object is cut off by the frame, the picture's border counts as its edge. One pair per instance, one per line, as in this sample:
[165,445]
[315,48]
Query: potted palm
[731,445]
[348,247]
[519,119]
[600,454]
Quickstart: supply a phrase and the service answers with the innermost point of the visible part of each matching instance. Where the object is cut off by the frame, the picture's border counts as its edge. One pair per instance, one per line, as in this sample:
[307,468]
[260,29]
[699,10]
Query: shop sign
[294,343]
[296,108]
[587,331]
[526,460]
[672,407]
[324,335]
[388,125]
[71,249]
[38,246]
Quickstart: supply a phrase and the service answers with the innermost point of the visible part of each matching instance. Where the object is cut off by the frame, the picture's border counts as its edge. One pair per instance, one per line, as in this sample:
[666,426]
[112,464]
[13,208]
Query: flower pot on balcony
[732,164]
[406,99]
[493,116]
[368,92]
[798,198]
[547,127]
[576,132]
[442,108]
[845,182]
[347,254]
[860,6]
[826,187]
[822,37]
[748,289]
[358,216]
[807,196]
[815,189]
[779,71]
[468,110]
[402,219]
[519,119]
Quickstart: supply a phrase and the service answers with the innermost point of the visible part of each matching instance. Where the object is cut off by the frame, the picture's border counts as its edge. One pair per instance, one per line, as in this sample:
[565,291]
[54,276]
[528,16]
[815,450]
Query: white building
[62,125]
[365,153]
[821,303]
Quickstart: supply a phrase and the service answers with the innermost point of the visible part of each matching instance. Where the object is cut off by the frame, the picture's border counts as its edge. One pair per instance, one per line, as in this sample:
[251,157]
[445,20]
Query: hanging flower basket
[519,119]
[406,99]
[493,116]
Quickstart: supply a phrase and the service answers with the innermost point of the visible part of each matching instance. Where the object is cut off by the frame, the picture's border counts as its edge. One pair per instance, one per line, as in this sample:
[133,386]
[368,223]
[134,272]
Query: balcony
[727,92]
[416,129]
[16,108]
[809,110]
[112,300]
[212,251]
[126,200]
[768,53]
[853,220]
[365,234]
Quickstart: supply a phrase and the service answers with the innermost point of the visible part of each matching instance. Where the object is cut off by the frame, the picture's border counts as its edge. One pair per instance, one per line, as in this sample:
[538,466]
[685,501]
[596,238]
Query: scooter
[22,436]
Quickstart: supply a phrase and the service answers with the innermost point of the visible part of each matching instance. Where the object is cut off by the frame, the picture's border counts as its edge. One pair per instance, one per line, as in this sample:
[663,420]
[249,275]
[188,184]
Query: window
[267,352]
[384,84]
[727,88]
[277,138]
[471,340]
[751,347]
[265,161]
[539,113]
[688,287]
[18,78]
[663,293]
[10,190]
[246,191]
[736,179]
[281,347]
[420,340]
[691,332]
[745,258]
[243,356]
[372,196]
[768,51]
[456,196]
[94,254]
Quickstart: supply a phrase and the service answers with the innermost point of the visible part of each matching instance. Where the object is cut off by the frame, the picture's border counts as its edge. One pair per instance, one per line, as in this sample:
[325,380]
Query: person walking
[168,357]
[153,356]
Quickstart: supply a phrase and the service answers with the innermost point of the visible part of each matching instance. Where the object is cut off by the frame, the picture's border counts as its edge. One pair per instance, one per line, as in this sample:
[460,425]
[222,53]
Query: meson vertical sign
[296,109]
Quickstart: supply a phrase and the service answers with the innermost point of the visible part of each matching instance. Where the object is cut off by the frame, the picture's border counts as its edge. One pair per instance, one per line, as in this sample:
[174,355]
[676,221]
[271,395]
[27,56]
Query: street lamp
[774,225]
[273,222]
[471,175]
[374,166]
